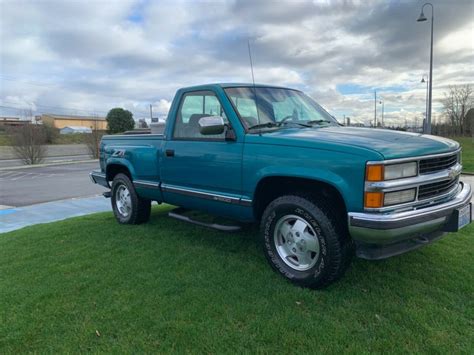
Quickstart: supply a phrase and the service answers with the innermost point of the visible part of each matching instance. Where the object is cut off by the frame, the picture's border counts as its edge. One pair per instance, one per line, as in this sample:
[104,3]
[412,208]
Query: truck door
[201,171]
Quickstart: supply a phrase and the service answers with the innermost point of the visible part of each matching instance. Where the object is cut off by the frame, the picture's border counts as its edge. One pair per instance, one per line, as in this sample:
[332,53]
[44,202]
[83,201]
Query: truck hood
[390,144]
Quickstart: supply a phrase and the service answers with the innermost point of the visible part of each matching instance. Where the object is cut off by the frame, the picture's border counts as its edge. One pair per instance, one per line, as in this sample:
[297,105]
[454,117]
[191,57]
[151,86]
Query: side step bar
[178,214]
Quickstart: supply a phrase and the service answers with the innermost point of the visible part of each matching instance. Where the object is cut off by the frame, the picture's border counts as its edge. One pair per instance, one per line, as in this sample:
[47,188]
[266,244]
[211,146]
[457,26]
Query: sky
[85,57]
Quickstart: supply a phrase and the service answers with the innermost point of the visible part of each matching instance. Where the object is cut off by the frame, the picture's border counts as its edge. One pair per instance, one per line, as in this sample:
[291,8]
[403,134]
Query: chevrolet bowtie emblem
[452,173]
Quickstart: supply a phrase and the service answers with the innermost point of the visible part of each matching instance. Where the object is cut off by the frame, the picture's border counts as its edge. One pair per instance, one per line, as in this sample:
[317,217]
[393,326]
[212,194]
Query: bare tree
[457,103]
[93,140]
[28,143]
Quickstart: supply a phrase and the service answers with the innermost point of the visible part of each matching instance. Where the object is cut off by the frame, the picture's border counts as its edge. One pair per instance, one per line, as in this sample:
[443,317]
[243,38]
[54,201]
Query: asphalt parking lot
[22,187]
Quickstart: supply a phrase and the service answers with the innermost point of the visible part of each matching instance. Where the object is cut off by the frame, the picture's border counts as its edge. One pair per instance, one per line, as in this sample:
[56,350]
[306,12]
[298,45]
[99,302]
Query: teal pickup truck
[321,192]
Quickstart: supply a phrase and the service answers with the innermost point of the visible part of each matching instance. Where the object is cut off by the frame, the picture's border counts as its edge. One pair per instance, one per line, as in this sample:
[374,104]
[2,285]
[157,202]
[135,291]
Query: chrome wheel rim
[296,242]
[123,201]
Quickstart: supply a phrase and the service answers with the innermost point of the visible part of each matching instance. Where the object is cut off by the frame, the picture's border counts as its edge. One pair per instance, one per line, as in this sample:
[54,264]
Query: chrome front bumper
[418,226]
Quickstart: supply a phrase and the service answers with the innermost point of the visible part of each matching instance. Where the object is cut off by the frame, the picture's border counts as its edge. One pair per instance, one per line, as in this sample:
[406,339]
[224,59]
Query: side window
[212,106]
[193,107]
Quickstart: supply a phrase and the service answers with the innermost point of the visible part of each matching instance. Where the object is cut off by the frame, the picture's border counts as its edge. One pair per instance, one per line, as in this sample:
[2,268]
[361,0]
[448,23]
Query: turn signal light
[374,173]
[373,199]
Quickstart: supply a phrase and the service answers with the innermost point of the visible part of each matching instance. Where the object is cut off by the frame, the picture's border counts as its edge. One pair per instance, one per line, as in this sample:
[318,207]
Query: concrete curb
[64,162]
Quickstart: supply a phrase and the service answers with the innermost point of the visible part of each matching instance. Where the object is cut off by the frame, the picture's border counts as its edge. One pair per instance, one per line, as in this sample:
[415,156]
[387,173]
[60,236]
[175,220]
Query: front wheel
[128,207]
[303,241]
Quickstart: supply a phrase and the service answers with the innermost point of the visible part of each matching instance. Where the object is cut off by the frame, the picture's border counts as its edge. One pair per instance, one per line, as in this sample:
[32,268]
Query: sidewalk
[469,179]
[19,217]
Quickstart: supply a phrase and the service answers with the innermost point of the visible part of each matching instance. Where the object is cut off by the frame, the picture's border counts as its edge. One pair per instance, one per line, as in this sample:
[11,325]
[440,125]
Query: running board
[178,214]
[107,194]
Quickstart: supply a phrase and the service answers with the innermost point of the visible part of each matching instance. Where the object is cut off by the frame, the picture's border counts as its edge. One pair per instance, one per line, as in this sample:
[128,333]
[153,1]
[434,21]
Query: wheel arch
[271,187]
[116,168]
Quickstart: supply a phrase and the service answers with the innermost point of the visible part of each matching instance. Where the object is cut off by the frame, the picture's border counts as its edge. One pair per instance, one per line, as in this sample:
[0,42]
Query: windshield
[277,107]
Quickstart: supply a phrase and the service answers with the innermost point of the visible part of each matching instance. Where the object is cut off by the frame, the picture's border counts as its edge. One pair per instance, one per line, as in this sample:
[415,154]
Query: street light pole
[421,19]
[426,100]
[375,108]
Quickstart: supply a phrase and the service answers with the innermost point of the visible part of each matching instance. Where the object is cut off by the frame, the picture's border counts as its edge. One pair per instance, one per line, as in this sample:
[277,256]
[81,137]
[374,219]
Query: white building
[75,129]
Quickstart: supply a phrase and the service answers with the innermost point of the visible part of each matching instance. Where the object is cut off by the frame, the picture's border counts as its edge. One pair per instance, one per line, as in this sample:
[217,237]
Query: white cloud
[162,107]
[97,55]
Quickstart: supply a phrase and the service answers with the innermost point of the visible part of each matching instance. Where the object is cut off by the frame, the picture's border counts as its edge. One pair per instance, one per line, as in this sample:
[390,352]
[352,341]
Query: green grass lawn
[73,138]
[89,284]
[4,139]
[467,144]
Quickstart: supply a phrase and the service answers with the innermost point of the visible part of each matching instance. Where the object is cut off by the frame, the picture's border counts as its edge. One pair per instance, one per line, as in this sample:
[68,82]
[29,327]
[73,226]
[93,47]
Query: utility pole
[375,108]
[383,109]
[151,113]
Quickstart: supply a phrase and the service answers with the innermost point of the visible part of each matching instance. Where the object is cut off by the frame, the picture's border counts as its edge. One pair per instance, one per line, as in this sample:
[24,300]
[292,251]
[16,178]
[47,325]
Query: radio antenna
[253,81]
[251,63]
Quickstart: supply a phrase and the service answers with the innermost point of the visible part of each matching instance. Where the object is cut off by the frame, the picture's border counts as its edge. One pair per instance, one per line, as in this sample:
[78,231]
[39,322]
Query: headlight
[398,197]
[375,173]
[398,171]
[379,172]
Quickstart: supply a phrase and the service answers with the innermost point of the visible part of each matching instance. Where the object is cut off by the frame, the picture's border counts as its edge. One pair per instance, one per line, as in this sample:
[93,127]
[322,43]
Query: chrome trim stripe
[422,157]
[391,185]
[408,218]
[206,195]
[245,202]
[146,184]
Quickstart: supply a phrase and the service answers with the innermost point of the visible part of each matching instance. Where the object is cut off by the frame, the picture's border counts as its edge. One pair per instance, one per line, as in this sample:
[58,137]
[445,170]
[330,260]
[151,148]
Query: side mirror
[211,125]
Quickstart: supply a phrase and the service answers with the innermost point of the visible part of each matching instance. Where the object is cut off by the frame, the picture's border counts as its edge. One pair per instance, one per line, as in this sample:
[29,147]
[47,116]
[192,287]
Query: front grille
[436,188]
[432,165]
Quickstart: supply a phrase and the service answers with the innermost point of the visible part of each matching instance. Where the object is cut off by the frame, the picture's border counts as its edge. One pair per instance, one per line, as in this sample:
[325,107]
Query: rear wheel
[303,240]
[128,207]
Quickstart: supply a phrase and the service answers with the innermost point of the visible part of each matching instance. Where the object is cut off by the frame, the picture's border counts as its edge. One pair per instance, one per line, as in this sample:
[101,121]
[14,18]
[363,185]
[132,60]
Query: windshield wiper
[293,122]
[317,121]
[264,125]
[278,124]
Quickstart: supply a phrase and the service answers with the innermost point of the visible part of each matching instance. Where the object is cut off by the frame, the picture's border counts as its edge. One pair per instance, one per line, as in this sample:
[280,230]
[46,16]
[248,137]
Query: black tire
[335,248]
[138,209]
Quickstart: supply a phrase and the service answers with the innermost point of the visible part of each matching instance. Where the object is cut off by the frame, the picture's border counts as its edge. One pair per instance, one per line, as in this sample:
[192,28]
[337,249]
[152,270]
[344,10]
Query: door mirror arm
[229,133]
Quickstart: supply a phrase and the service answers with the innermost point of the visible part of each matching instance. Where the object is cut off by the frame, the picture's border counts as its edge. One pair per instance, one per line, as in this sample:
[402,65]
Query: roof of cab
[231,85]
